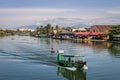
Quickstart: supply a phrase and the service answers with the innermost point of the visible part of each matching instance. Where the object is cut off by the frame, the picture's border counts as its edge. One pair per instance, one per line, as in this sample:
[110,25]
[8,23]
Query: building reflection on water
[71,75]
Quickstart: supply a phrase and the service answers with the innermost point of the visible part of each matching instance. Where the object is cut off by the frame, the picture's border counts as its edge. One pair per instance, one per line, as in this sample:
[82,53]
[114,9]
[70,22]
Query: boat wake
[72,69]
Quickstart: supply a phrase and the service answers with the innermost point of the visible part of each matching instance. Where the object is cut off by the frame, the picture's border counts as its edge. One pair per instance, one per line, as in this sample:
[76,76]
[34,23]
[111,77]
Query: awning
[82,33]
[95,33]
[88,33]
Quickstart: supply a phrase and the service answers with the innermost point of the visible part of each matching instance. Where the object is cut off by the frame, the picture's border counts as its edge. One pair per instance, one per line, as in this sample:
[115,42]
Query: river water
[29,58]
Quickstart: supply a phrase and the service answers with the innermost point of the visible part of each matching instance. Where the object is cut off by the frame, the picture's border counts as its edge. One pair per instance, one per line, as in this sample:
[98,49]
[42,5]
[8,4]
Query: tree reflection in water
[72,75]
[114,49]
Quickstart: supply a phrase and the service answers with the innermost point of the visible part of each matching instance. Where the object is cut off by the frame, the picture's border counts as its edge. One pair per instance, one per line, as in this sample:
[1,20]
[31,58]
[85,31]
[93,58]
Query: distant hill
[29,26]
[107,21]
[63,22]
[66,22]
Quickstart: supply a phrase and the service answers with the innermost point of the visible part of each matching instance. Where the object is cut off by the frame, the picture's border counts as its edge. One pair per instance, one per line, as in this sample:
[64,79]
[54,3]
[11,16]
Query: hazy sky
[25,12]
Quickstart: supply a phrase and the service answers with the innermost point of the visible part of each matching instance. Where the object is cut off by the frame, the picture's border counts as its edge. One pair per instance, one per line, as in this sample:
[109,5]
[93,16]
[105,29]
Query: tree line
[46,29]
[6,32]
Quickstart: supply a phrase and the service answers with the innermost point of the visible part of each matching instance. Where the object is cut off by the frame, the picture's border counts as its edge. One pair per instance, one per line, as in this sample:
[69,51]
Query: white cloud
[25,16]
[33,10]
[111,16]
[114,12]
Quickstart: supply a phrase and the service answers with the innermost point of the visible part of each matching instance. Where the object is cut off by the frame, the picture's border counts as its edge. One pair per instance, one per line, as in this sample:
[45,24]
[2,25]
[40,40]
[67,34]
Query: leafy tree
[115,30]
[48,27]
[57,29]
[41,29]
[52,29]
[2,32]
[44,29]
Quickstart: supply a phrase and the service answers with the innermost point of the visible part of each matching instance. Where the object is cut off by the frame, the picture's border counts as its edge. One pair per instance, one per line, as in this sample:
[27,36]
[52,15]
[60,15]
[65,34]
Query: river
[29,58]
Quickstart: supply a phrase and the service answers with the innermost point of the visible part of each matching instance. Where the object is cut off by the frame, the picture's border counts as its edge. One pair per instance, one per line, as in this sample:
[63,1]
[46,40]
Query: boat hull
[78,65]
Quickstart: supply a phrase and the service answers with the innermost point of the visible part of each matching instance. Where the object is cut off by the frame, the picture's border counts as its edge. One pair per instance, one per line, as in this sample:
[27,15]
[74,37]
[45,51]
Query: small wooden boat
[71,61]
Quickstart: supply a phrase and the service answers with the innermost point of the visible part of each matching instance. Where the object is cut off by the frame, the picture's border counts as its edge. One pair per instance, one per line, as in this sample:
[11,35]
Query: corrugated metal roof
[103,28]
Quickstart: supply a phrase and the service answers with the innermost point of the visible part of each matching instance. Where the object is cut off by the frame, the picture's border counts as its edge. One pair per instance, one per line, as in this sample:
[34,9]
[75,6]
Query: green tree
[52,29]
[41,29]
[48,29]
[44,29]
[57,29]
[2,33]
[115,30]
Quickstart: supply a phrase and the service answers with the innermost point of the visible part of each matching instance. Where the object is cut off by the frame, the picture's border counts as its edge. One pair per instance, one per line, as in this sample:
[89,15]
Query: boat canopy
[71,55]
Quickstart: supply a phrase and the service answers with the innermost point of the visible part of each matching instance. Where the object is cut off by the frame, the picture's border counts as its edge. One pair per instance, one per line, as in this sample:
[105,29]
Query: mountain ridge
[62,22]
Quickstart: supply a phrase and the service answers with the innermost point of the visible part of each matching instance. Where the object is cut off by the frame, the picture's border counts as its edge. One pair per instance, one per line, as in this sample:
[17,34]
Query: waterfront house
[26,29]
[103,29]
[73,29]
[82,29]
[68,29]
[54,31]
[79,30]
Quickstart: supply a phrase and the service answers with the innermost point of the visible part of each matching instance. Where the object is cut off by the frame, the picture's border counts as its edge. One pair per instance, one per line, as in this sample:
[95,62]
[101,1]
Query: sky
[14,13]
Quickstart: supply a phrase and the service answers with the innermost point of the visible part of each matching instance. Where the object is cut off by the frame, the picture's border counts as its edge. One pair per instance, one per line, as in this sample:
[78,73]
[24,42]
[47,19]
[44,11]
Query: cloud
[114,12]
[23,16]
[112,20]
[33,10]
[13,17]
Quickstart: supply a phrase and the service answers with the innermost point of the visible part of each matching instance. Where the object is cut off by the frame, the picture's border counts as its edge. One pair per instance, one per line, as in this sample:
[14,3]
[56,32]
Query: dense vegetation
[39,30]
[2,33]
[6,32]
[115,31]
[46,29]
